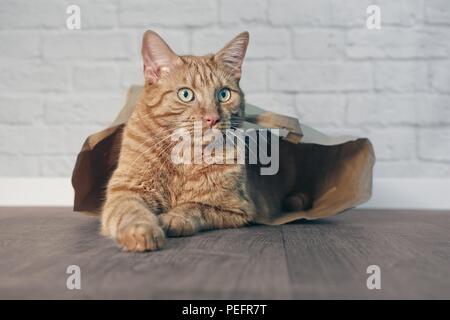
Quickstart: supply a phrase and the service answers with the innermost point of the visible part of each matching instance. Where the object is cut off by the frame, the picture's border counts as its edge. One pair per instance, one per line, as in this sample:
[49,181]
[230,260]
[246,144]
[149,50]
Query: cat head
[195,89]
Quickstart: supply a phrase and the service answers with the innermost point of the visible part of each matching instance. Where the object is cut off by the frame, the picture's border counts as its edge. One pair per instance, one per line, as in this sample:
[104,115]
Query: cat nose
[211,119]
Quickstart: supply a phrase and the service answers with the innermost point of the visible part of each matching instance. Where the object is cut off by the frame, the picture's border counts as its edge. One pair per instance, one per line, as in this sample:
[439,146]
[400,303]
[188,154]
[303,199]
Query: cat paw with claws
[141,237]
[178,225]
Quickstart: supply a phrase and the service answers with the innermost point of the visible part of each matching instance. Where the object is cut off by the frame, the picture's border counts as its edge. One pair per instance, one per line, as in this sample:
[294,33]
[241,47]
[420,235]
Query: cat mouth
[222,127]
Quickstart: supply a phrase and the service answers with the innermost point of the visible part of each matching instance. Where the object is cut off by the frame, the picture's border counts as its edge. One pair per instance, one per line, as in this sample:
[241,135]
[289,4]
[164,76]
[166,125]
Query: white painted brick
[316,76]
[408,169]
[400,12]
[319,44]
[136,13]
[32,140]
[437,11]
[313,59]
[98,14]
[237,11]
[75,135]
[27,14]
[274,102]
[20,110]
[401,76]
[57,166]
[18,166]
[440,76]
[410,109]
[95,78]
[264,42]
[33,77]
[81,110]
[131,74]
[299,13]
[348,13]
[211,40]
[435,36]
[88,45]
[60,139]
[433,110]
[353,12]
[434,144]
[381,109]
[394,43]
[393,143]
[254,77]
[341,131]
[19,45]
[321,109]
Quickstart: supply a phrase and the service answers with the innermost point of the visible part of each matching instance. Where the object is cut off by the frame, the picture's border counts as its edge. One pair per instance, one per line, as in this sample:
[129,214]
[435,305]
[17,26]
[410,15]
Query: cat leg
[189,218]
[128,219]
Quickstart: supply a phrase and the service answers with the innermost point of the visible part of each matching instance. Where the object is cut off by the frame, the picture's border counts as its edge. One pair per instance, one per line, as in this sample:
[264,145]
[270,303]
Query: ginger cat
[148,196]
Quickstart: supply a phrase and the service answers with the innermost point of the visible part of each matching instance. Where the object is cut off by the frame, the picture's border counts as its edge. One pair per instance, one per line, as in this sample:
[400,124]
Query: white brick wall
[313,59]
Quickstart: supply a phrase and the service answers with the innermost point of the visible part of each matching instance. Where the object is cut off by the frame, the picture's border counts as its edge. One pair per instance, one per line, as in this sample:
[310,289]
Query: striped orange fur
[148,196]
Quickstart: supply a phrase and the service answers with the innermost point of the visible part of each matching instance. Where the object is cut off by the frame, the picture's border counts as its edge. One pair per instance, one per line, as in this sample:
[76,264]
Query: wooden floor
[305,260]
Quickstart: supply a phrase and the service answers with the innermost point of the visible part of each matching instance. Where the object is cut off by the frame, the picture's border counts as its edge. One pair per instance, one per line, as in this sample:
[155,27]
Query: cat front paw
[176,225]
[139,237]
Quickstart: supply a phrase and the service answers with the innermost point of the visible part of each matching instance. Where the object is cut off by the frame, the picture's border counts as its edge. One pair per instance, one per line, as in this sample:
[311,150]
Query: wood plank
[37,245]
[328,258]
[316,259]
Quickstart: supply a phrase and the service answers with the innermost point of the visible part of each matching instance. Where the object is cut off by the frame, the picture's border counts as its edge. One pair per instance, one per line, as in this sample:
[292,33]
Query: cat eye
[224,95]
[185,94]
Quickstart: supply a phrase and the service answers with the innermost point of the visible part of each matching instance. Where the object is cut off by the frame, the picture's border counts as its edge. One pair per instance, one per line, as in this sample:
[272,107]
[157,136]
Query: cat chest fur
[218,185]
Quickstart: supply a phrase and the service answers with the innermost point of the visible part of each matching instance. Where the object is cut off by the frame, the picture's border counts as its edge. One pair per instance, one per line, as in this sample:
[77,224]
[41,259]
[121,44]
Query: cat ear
[157,56]
[232,55]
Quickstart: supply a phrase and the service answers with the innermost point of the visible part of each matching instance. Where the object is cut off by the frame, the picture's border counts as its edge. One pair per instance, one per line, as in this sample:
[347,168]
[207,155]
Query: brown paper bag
[335,172]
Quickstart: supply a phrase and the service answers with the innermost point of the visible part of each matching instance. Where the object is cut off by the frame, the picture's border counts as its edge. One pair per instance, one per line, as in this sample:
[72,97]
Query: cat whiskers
[233,126]
[164,150]
[150,148]
[153,137]
[243,141]
[162,164]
